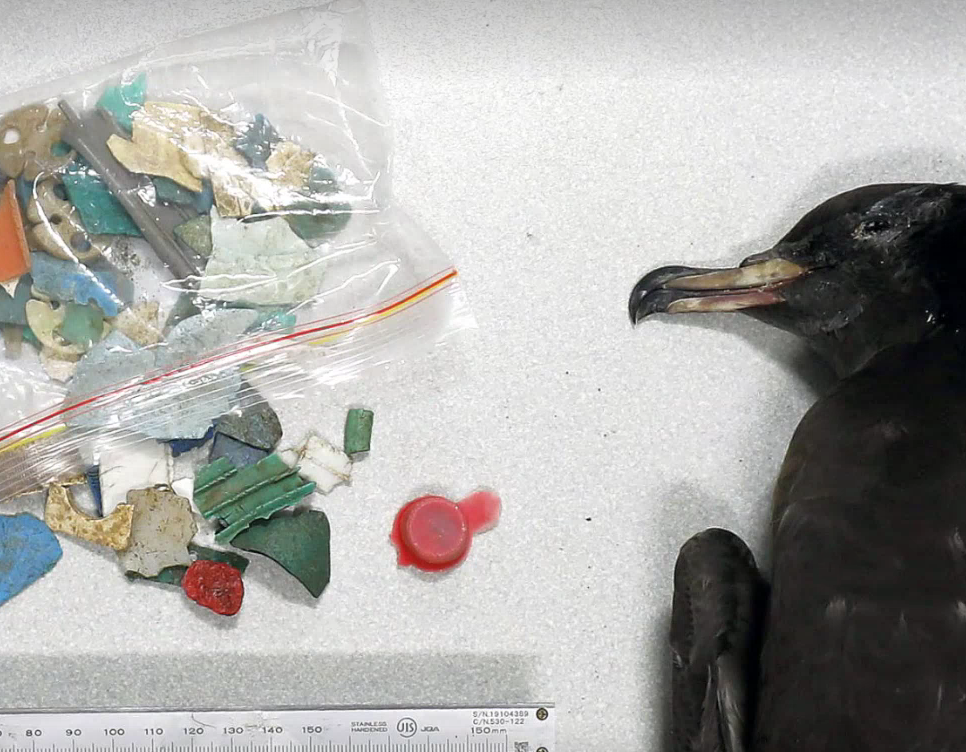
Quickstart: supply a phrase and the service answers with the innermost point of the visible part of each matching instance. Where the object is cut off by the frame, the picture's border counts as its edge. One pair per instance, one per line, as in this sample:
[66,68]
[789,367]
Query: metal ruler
[514,728]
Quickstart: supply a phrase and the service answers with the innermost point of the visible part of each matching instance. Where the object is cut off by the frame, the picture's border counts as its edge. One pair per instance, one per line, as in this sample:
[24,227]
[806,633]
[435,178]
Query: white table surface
[555,150]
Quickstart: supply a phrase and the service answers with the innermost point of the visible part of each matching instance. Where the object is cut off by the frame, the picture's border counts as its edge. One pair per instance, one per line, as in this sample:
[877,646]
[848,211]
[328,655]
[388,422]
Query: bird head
[873,267]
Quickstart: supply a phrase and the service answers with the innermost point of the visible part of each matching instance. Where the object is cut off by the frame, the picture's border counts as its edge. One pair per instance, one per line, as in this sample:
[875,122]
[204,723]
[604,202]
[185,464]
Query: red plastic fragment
[215,585]
[434,534]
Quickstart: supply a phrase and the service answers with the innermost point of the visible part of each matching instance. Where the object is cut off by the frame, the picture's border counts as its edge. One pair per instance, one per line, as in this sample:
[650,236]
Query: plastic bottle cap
[436,531]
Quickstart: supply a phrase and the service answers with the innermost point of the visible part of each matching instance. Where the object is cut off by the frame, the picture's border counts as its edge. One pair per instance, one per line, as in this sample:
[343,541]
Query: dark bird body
[857,640]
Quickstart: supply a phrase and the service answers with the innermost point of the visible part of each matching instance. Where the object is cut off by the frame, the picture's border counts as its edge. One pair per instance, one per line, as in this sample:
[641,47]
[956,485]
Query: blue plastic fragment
[98,282]
[182,446]
[28,550]
[124,100]
[237,452]
[94,481]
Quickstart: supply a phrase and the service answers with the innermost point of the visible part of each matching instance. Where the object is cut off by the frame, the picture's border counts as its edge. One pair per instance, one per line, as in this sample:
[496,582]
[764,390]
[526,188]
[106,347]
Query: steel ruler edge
[430,728]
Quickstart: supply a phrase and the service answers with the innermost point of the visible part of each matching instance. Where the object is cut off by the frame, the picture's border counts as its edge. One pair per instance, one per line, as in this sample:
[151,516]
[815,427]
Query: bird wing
[715,634]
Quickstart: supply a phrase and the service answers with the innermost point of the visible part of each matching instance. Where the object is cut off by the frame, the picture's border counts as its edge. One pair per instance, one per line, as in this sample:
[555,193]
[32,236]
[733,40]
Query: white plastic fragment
[162,528]
[321,462]
[141,465]
[260,263]
[58,370]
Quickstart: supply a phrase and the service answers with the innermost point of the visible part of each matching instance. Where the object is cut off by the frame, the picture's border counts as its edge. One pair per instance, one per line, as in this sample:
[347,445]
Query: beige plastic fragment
[44,321]
[140,323]
[62,516]
[162,528]
[58,369]
[290,164]
[57,227]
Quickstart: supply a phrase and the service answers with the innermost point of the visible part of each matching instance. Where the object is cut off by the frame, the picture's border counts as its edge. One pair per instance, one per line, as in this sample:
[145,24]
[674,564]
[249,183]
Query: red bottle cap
[434,534]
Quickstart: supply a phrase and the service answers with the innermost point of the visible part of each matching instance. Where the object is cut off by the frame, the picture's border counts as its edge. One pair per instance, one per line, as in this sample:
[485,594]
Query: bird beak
[756,282]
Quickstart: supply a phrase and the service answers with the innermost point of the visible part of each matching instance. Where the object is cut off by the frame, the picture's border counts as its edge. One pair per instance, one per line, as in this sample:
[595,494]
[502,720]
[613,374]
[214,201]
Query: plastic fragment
[27,139]
[183,413]
[358,431]
[140,323]
[300,543]
[56,368]
[321,462]
[14,252]
[215,585]
[100,213]
[277,265]
[93,475]
[12,341]
[168,190]
[133,466]
[196,233]
[183,446]
[237,497]
[13,309]
[434,534]
[314,221]
[155,146]
[30,338]
[57,228]
[206,199]
[99,283]
[237,452]
[28,551]
[44,321]
[257,425]
[113,531]
[163,527]
[83,325]
[273,321]
[123,100]
[257,141]
[290,165]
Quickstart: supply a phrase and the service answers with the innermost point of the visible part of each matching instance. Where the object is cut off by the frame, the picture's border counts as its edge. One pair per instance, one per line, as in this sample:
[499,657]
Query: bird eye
[874,225]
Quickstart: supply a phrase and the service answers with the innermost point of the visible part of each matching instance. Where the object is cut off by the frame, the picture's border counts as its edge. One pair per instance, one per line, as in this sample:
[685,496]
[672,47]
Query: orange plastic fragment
[14,251]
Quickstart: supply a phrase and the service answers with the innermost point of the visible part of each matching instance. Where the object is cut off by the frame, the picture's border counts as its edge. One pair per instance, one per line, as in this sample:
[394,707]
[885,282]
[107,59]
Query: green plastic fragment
[299,542]
[358,431]
[204,553]
[83,325]
[167,576]
[257,425]
[238,497]
[124,100]
[100,212]
[322,180]
[168,190]
[196,234]
[317,220]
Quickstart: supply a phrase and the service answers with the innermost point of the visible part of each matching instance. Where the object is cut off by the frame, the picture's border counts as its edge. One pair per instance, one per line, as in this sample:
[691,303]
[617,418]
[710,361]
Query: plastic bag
[209,223]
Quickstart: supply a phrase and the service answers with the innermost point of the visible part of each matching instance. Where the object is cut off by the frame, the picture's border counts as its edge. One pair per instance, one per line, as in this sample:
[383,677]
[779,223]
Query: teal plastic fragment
[272,321]
[238,497]
[13,310]
[168,190]
[257,141]
[124,100]
[82,325]
[100,212]
[31,338]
